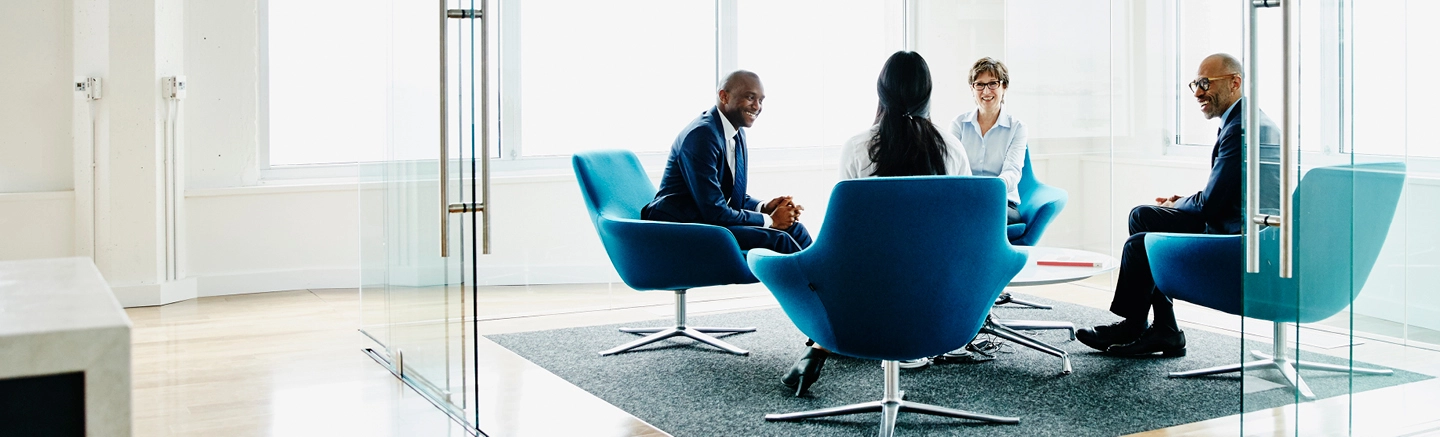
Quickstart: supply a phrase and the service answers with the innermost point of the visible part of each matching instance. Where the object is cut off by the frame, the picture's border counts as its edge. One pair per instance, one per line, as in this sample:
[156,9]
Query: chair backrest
[905,267]
[1344,215]
[613,183]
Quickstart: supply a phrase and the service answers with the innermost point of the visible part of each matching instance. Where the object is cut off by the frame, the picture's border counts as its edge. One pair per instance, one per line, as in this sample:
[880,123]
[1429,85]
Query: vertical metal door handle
[1291,141]
[444,137]
[1252,148]
[484,152]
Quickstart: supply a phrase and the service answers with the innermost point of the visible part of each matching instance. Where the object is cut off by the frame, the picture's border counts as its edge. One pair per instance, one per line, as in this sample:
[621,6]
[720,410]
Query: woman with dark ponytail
[903,141]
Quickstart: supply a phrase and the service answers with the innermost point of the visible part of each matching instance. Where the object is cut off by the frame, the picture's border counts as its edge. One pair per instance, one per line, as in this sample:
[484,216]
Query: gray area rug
[695,390]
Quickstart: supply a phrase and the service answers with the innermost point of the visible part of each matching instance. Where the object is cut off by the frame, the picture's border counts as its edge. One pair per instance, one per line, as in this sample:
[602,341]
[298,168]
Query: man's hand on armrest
[1168,202]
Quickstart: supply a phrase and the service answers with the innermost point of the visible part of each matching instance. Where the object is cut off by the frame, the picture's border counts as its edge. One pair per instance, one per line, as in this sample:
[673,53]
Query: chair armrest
[654,255]
[1038,210]
[1204,269]
[787,281]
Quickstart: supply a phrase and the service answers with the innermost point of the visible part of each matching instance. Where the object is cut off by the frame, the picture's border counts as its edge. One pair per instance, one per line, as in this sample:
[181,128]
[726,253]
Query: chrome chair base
[1007,298]
[697,333]
[1035,325]
[1287,369]
[890,407]
[999,329]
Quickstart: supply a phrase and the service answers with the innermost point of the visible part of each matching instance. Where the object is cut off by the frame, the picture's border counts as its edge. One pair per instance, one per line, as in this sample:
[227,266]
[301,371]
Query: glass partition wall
[1100,84]
[1352,256]
[421,231]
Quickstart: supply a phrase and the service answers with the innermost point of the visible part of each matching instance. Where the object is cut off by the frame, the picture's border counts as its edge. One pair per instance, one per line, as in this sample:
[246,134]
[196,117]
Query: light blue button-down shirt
[999,152]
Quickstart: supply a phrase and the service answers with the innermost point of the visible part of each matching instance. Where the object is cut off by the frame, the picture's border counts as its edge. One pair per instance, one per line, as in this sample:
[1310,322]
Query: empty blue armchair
[1039,204]
[652,255]
[872,288]
[1344,214]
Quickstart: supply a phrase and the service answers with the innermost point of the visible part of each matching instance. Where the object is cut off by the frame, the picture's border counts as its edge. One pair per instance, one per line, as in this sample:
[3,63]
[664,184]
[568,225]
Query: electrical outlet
[175,87]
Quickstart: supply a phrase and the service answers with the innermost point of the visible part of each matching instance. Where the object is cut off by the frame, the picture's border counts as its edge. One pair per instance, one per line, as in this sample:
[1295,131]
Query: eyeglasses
[991,85]
[1204,82]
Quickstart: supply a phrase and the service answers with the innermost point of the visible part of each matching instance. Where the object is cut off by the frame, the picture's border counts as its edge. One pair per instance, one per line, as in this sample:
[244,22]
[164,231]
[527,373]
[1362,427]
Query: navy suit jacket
[1220,202]
[697,186]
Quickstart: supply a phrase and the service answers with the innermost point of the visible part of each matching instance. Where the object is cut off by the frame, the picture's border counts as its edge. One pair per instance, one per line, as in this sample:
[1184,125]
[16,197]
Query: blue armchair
[1343,213]
[1039,204]
[652,255]
[871,288]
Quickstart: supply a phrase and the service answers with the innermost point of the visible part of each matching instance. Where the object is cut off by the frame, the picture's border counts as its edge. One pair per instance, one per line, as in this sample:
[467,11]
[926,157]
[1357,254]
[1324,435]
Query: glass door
[422,206]
[1329,233]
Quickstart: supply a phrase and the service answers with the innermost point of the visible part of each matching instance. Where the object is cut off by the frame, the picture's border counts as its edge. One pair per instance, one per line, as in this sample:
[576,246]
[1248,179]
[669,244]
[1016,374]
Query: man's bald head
[740,98]
[1221,79]
[1222,63]
[738,78]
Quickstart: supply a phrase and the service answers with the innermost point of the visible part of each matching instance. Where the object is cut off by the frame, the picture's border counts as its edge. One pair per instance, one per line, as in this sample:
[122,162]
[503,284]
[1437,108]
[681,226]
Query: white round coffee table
[1035,274]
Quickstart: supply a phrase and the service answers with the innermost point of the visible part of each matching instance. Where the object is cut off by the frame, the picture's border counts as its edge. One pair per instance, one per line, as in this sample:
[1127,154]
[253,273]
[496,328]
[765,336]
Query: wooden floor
[291,364]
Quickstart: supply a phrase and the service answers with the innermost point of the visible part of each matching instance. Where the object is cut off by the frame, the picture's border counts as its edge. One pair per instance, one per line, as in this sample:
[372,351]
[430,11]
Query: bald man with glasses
[1214,210]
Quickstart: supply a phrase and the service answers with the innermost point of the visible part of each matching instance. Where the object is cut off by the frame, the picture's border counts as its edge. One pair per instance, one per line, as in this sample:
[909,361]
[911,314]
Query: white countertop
[54,295]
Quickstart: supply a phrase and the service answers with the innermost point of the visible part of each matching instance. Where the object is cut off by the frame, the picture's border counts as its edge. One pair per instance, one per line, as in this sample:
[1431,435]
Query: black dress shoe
[806,370]
[1165,341]
[1102,337]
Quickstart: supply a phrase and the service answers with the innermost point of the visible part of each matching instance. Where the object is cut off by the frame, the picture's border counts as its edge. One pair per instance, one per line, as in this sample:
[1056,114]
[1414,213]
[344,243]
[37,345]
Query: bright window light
[819,61]
[626,75]
[327,81]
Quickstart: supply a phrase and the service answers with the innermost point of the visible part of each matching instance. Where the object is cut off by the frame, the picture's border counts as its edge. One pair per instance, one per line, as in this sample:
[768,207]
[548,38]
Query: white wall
[35,96]
[222,57]
[36,225]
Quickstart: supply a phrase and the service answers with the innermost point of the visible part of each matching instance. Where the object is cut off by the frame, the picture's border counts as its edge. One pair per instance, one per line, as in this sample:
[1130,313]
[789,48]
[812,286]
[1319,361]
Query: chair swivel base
[1287,369]
[697,333]
[890,407]
[999,329]
[1035,325]
[1007,298]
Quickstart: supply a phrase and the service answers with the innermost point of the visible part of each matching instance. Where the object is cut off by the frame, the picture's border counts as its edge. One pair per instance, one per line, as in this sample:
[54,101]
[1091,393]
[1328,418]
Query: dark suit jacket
[1220,202]
[697,186]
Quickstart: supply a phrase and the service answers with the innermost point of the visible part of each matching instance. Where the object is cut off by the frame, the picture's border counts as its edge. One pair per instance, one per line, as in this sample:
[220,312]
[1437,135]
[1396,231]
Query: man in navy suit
[1215,210]
[705,176]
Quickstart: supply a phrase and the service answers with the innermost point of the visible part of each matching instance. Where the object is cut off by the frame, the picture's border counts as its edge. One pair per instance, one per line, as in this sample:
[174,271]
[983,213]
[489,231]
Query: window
[610,74]
[1062,87]
[327,81]
[819,61]
[579,74]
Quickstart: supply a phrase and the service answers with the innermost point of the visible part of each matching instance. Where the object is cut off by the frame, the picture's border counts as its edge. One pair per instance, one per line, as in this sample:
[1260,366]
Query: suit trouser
[790,240]
[1135,291]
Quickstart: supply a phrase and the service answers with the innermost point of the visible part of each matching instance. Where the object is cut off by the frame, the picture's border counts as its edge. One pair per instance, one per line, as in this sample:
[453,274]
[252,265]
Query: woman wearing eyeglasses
[994,139]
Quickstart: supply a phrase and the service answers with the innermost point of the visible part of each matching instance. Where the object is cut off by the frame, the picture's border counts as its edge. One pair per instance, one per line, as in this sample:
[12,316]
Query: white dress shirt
[855,156]
[999,152]
[731,132]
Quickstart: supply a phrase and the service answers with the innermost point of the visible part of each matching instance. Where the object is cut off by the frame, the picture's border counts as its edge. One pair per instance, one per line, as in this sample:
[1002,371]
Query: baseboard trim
[286,280]
[283,280]
[164,293]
